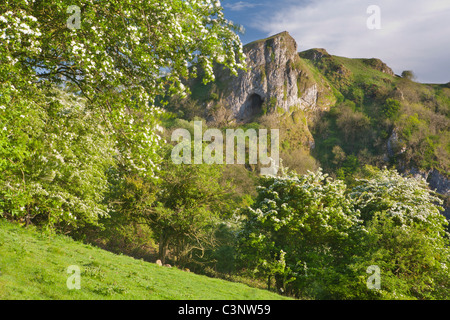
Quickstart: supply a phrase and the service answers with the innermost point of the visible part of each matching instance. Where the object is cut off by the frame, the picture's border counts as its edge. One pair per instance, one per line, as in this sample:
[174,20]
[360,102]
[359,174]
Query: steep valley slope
[333,112]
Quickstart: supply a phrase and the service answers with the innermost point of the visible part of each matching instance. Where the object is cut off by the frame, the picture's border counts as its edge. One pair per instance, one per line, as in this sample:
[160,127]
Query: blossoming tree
[120,57]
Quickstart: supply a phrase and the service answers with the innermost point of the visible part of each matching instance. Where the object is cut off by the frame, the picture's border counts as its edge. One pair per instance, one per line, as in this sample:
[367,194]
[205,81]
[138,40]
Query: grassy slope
[33,265]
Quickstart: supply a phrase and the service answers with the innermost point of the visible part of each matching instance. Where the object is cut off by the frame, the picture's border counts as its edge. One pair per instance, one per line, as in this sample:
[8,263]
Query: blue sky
[413,35]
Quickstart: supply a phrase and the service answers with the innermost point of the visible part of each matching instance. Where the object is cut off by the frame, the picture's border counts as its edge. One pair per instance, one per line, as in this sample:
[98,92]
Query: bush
[408,74]
[317,238]
[354,126]
[406,237]
[295,231]
[390,108]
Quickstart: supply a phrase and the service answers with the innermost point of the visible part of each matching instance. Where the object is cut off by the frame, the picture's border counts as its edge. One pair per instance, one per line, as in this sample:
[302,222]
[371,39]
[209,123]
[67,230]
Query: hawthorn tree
[119,56]
[390,108]
[406,237]
[298,231]
[318,238]
[408,74]
[54,155]
[183,208]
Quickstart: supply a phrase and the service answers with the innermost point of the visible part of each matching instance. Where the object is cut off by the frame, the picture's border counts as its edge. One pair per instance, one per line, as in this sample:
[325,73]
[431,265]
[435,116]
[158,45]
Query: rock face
[274,80]
[437,182]
[394,145]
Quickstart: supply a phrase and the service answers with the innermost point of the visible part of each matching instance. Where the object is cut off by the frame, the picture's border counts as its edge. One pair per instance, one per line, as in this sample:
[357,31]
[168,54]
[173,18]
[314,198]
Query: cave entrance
[254,104]
[252,107]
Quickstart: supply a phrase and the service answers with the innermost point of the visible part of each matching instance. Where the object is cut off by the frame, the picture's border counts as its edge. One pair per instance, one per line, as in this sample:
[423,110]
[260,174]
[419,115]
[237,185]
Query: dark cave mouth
[255,104]
[252,107]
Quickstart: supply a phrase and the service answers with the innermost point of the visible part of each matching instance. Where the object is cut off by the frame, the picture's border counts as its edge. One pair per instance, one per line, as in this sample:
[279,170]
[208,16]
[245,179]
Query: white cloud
[414,34]
[240,5]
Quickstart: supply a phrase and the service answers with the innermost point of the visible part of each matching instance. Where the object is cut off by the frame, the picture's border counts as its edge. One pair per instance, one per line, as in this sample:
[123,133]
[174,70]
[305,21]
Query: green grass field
[33,265]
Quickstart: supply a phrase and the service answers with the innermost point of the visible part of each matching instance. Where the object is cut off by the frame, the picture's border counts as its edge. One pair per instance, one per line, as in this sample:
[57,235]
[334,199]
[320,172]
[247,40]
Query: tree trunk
[163,242]
[280,283]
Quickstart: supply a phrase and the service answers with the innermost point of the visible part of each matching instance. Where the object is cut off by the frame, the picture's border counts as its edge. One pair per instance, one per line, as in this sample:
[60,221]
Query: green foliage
[406,236]
[185,213]
[272,104]
[141,48]
[390,108]
[426,138]
[224,254]
[350,165]
[317,238]
[55,156]
[327,135]
[377,104]
[408,74]
[353,126]
[214,96]
[357,95]
[184,108]
[295,231]
[263,73]
[182,209]
[55,149]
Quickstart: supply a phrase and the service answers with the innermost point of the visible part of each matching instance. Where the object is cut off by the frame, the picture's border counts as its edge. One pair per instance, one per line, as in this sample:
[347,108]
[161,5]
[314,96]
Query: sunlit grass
[33,265]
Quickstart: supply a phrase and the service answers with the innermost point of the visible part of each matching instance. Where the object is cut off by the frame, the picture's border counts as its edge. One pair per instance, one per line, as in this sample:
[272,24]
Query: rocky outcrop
[379,65]
[315,54]
[274,80]
[437,182]
[394,145]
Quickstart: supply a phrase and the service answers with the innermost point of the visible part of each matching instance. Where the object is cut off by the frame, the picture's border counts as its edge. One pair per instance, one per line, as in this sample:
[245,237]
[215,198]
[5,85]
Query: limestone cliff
[276,80]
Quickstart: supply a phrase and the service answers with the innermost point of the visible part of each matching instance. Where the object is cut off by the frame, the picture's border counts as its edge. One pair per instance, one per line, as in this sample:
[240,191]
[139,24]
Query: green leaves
[56,156]
[56,147]
[121,43]
[407,200]
[387,220]
[390,108]
[307,217]
[406,237]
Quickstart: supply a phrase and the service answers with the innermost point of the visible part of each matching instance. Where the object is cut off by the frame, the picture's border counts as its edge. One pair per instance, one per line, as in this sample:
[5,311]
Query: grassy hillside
[377,103]
[33,265]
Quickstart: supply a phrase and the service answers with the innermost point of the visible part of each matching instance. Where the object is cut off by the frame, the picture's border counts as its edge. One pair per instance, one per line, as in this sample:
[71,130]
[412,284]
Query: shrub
[295,229]
[408,74]
[390,108]
[406,236]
